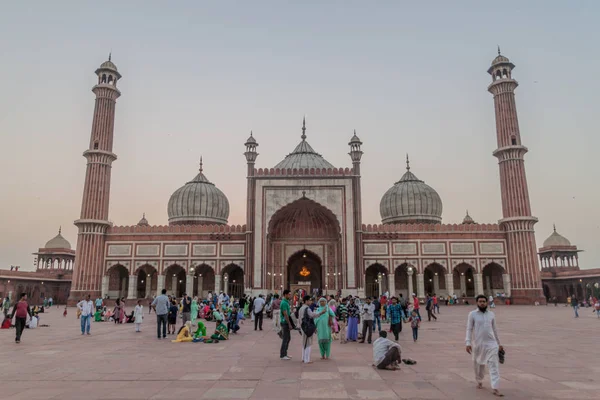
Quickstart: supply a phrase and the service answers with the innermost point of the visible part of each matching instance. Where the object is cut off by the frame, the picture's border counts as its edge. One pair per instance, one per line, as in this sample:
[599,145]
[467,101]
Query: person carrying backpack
[306,319]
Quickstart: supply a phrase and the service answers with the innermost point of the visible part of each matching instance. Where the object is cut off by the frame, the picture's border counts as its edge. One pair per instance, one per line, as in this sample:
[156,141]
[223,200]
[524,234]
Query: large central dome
[304,156]
[198,202]
[410,200]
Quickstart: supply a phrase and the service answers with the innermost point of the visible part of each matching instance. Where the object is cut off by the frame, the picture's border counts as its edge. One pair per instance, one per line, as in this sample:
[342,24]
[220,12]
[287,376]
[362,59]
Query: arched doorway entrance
[492,279]
[376,280]
[233,280]
[304,234]
[401,280]
[204,280]
[435,280]
[118,281]
[547,293]
[146,282]
[175,280]
[305,272]
[464,281]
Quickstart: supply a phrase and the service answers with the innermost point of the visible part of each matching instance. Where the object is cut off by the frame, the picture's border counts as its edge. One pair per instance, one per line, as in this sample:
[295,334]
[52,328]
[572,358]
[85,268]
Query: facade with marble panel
[304,226]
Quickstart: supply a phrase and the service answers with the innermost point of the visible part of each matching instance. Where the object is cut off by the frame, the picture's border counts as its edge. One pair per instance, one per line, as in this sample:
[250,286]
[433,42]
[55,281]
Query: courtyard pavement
[550,355]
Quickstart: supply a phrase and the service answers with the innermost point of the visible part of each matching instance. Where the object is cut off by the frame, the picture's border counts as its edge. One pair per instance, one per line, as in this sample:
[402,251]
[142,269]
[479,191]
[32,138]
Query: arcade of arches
[304,251]
[464,280]
[146,282]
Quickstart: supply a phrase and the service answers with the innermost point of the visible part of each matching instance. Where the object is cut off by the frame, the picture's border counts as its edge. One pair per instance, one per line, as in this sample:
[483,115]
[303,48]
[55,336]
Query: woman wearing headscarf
[123,312]
[201,332]
[221,333]
[323,323]
[334,328]
[194,310]
[184,334]
[352,321]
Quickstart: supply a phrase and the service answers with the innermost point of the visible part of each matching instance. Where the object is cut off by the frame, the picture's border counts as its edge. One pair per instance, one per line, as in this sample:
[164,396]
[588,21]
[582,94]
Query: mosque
[304,227]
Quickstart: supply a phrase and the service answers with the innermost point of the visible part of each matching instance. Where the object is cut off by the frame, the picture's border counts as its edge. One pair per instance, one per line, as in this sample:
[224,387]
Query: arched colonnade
[146,281]
[464,280]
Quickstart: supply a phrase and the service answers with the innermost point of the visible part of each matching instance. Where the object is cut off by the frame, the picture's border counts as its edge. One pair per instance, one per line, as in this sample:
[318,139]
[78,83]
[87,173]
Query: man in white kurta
[483,343]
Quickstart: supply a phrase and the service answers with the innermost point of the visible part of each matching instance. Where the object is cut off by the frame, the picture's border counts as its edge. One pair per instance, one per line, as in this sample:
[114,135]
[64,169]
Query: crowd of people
[324,318]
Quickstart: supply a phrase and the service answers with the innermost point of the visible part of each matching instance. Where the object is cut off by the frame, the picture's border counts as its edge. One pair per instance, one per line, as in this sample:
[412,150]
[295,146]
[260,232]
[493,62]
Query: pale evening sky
[198,76]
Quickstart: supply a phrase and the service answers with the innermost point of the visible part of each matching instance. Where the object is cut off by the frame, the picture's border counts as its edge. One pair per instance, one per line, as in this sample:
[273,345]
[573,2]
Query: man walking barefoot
[481,325]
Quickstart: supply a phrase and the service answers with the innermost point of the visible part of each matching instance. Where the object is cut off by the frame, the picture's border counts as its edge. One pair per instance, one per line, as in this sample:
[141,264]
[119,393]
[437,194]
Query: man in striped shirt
[342,318]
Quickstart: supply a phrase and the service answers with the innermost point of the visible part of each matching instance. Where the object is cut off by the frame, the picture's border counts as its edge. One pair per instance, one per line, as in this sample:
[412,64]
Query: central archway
[305,271]
[304,245]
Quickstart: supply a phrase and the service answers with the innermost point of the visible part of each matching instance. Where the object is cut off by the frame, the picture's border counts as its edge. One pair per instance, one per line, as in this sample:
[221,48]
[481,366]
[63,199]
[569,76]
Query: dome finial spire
[109,55]
[407,163]
[554,226]
[303,128]
[498,49]
[201,168]
[60,229]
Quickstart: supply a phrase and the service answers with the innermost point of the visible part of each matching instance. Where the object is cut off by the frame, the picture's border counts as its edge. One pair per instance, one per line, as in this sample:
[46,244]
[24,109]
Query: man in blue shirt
[396,317]
[161,308]
[98,304]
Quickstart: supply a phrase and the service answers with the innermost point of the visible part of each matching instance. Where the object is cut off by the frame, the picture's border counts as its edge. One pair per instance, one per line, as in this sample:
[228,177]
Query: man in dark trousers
[186,310]
[259,307]
[20,312]
[429,308]
[286,324]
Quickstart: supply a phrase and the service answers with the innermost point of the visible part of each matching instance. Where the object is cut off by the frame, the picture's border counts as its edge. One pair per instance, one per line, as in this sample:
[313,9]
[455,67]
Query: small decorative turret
[467,220]
[143,221]
[355,151]
[251,145]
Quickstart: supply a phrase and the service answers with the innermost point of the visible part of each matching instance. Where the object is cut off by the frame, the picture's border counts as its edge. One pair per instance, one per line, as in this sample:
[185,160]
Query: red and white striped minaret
[517,221]
[93,221]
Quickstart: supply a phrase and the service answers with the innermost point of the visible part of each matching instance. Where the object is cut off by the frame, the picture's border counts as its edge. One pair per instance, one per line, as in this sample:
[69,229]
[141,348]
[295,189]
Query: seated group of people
[105,315]
[185,333]
[32,323]
[227,321]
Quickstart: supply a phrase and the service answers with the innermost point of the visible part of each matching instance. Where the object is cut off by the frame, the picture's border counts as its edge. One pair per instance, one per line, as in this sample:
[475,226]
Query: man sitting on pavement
[386,353]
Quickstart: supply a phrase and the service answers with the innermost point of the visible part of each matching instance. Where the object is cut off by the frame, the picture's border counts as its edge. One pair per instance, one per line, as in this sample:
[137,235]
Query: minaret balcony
[513,152]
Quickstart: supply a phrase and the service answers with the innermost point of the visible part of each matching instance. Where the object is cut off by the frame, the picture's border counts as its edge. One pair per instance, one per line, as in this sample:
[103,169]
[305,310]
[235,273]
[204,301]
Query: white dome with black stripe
[410,200]
[198,202]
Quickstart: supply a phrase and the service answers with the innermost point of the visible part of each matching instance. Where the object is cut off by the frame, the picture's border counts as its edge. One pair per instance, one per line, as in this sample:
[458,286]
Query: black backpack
[308,324]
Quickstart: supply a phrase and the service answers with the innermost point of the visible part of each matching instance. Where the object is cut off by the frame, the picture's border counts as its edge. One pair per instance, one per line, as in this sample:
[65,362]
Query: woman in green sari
[221,333]
[201,332]
[323,323]
[194,310]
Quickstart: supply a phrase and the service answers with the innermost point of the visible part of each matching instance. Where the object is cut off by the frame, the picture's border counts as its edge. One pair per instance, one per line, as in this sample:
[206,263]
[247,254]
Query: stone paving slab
[550,355]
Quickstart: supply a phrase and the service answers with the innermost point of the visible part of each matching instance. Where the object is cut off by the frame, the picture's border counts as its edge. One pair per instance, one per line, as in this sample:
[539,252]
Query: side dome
[410,201]
[556,240]
[198,202]
[58,242]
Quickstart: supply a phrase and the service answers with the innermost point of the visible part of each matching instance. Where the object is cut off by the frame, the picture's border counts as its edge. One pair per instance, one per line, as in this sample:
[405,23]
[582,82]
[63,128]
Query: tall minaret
[517,221]
[251,155]
[356,154]
[93,221]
